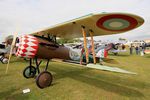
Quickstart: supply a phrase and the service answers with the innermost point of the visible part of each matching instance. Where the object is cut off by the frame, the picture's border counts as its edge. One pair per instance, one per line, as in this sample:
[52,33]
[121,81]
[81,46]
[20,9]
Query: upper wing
[101,24]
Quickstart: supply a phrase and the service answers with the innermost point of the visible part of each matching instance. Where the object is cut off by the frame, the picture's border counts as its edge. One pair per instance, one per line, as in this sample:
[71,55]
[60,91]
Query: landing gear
[44,79]
[3,59]
[29,72]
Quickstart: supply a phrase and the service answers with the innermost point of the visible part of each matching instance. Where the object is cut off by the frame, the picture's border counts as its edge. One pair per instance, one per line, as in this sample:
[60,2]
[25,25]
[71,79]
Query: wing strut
[92,43]
[85,44]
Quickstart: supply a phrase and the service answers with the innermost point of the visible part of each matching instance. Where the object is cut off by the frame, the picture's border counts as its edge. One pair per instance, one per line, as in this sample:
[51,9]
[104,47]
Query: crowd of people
[139,50]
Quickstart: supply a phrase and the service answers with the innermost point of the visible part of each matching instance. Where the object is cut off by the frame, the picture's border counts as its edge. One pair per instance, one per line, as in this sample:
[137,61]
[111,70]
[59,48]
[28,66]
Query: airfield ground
[77,83]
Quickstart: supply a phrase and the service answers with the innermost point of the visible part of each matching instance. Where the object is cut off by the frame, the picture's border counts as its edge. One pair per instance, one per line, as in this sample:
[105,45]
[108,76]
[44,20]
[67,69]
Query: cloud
[27,16]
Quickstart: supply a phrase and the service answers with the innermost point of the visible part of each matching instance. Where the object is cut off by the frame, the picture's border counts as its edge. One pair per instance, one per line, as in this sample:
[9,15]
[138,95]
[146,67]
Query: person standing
[137,50]
[123,46]
[131,49]
[142,50]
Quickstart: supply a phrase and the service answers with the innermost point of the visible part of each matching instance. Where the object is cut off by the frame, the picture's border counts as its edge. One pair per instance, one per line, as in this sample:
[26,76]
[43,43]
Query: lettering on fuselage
[74,55]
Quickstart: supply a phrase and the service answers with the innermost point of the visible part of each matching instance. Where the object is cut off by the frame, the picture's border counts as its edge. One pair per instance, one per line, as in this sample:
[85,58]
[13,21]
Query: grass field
[72,82]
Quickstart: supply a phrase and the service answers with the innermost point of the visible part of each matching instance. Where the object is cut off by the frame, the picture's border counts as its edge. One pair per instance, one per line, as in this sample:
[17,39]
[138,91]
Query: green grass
[72,82]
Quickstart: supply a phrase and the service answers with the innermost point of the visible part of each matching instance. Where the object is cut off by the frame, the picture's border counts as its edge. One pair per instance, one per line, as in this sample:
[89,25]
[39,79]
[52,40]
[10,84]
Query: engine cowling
[34,47]
[27,47]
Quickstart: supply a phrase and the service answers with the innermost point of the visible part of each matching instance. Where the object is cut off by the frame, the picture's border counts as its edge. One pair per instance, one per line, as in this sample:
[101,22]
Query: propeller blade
[11,50]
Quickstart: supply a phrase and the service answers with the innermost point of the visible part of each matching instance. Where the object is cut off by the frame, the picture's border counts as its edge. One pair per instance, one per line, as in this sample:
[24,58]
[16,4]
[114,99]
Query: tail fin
[103,53]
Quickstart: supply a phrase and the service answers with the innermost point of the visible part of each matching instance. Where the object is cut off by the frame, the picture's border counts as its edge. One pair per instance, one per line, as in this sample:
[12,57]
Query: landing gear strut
[44,79]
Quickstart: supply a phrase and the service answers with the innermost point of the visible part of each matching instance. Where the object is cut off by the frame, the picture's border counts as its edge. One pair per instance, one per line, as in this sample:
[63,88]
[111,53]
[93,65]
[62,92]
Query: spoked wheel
[29,72]
[44,79]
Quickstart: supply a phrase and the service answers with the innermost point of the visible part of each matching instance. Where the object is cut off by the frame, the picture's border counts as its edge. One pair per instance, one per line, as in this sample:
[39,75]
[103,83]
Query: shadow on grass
[99,82]
[10,95]
[18,61]
[112,61]
[3,74]
[109,86]
[148,56]
[120,55]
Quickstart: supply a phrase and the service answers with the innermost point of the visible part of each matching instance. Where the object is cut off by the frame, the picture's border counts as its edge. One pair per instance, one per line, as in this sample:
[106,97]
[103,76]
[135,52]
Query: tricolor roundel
[117,22]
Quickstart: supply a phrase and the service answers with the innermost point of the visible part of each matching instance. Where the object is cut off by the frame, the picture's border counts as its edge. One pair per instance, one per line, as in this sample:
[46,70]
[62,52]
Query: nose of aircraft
[27,46]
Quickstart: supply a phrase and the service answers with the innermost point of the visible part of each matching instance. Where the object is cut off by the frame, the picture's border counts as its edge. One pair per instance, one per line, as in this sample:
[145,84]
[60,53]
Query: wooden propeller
[11,50]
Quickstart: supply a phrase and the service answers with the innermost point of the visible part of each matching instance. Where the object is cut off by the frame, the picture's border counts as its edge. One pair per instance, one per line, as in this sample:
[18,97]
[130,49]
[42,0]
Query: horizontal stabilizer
[107,68]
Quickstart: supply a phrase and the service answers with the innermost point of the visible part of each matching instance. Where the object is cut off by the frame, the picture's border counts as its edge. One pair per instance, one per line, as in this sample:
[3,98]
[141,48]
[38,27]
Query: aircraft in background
[43,44]
[5,49]
[147,48]
[117,48]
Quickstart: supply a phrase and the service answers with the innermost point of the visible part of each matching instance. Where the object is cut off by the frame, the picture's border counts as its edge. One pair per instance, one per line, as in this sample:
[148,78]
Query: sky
[27,16]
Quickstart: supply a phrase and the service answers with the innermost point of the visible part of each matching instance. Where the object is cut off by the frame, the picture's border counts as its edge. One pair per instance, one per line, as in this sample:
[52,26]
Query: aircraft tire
[5,61]
[29,72]
[44,79]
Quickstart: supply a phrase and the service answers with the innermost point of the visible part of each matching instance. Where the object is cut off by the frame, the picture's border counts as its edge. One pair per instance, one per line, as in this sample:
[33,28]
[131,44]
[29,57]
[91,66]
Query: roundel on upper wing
[117,22]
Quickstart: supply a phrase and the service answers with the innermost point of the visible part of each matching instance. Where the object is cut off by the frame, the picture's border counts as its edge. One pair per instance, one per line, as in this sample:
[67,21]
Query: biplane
[43,44]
